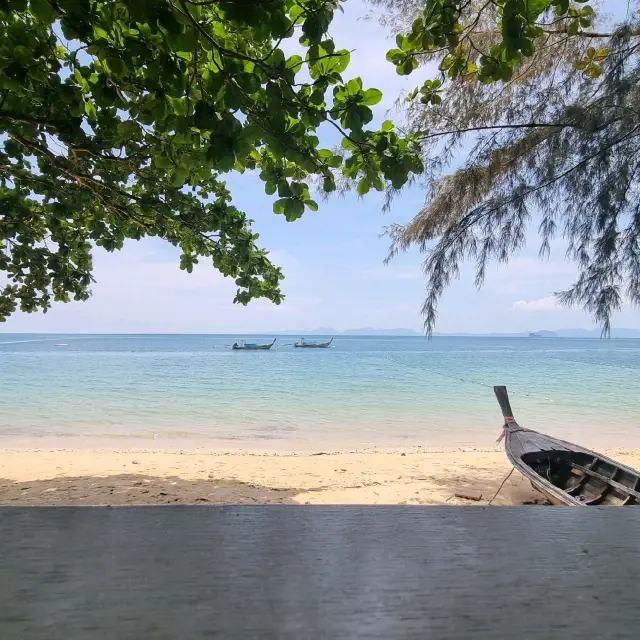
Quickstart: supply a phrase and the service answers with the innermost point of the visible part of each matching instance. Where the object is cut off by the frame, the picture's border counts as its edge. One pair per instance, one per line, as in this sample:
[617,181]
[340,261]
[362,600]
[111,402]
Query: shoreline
[415,475]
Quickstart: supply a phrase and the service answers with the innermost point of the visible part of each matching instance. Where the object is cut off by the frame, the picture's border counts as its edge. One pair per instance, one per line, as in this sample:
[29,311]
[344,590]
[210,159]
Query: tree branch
[527,125]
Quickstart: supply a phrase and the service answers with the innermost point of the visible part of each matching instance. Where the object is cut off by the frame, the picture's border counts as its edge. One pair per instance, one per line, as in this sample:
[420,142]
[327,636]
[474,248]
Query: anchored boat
[252,346]
[563,472]
[312,344]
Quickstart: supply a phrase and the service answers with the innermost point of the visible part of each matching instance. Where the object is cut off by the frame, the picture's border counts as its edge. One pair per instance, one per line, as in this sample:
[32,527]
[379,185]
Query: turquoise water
[364,391]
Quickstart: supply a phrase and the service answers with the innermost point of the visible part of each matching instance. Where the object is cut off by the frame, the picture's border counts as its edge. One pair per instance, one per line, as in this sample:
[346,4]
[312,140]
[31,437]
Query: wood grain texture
[294,573]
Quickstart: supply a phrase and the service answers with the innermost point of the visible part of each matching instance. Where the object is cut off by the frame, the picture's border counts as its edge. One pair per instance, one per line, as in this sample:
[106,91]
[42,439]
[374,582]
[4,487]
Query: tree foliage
[119,117]
[540,100]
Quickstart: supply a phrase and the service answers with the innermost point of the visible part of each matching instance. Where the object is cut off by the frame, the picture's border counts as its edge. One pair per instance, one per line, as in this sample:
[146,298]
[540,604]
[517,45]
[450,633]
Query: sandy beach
[196,476]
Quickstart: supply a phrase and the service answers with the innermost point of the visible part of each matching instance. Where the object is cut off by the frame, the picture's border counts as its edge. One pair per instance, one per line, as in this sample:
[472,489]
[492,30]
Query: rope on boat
[495,495]
[440,373]
[455,377]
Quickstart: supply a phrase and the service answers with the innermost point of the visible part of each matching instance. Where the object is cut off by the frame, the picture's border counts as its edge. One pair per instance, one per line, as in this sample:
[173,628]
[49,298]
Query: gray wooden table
[312,572]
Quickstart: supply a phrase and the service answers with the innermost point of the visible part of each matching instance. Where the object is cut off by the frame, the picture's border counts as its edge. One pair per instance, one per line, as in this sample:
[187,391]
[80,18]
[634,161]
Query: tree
[118,119]
[540,97]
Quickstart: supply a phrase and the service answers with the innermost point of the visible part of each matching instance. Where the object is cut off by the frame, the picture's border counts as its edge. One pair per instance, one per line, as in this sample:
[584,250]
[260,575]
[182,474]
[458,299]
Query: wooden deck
[298,573]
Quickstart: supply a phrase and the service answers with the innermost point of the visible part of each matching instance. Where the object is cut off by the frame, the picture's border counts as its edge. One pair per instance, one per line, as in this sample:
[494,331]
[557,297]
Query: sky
[332,260]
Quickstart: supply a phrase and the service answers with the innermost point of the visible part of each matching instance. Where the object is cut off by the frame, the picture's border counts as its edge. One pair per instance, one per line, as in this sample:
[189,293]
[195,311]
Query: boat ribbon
[505,427]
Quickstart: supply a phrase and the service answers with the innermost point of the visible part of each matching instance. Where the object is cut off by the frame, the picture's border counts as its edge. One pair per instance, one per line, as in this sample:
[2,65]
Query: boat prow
[566,473]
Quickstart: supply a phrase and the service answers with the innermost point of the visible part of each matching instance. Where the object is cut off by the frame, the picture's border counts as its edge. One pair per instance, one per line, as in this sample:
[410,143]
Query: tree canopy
[532,115]
[119,118]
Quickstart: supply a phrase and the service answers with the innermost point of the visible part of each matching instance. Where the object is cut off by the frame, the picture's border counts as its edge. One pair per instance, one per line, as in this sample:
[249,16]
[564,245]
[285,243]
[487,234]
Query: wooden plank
[576,488]
[607,489]
[613,483]
[631,499]
[515,443]
[291,573]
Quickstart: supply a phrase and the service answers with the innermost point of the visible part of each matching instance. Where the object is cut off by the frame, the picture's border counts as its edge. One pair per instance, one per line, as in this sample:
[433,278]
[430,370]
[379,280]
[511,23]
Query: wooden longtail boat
[253,346]
[302,343]
[563,472]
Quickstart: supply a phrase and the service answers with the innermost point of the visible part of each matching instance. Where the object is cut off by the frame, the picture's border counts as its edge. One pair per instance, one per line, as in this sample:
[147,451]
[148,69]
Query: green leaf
[573,28]
[294,209]
[372,96]
[363,186]
[312,204]
[601,55]
[248,82]
[179,106]
[396,55]
[387,126]
[161,161]
[294,62]
[535,8]
[329,184]
[127,129]
[354,86]
[180,176]
[84,85]
[99,33]
[407,66]
[117,66]
[593,70]
[90,110]
[284,190]
[279,205]
[42,10]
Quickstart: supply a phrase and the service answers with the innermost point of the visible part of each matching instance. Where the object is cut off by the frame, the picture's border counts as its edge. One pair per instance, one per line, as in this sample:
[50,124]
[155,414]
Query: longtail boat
[312,344]
[563,472]
[252,346]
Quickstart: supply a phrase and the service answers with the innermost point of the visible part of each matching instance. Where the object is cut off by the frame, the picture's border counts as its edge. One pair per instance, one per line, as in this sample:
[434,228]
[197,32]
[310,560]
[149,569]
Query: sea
[194,391]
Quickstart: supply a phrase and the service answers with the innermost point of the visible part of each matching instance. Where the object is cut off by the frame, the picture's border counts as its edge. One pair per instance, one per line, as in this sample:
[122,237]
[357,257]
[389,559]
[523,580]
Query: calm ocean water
[364,391]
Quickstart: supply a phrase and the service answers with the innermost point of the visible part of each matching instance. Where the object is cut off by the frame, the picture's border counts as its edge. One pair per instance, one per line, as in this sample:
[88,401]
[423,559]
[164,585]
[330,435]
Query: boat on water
[312,344]
[252,346]
[563,472]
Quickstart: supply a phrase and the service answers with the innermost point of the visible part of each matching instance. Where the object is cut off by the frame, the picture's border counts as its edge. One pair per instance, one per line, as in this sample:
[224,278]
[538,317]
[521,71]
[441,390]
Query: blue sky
[332,259]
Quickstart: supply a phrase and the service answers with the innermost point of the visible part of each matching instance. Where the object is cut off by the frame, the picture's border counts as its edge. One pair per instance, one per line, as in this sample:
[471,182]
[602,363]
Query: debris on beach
[468,494]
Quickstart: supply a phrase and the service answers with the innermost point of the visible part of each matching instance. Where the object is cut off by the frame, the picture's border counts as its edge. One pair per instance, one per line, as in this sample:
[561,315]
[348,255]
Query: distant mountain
[365,331]
[559,333]
[373,331]
[464,334]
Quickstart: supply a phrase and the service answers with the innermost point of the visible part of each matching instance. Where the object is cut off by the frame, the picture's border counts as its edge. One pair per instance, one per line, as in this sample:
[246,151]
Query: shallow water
[364,391]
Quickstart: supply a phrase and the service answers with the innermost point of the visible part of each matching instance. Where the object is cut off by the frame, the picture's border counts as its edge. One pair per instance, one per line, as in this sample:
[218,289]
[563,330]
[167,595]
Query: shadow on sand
[140,489]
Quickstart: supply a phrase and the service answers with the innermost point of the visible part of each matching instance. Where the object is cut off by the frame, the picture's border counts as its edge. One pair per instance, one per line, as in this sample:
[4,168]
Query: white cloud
[550,303]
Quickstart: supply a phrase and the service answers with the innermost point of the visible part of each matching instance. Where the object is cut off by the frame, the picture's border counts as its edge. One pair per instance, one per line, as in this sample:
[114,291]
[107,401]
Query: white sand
[137,476]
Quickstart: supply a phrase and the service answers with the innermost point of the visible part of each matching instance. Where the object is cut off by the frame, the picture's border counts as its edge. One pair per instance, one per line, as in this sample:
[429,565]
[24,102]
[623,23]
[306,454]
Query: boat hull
[260,348]
[312,345]
[566,473]
[253,347]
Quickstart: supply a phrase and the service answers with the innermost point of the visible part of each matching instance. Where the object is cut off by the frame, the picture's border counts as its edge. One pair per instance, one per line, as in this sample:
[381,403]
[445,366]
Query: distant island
[374,331]
[558,333]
